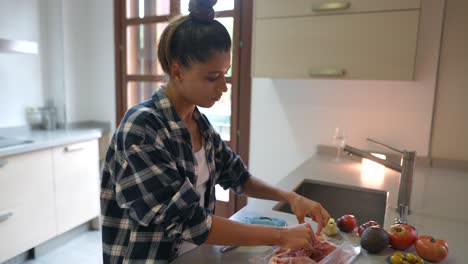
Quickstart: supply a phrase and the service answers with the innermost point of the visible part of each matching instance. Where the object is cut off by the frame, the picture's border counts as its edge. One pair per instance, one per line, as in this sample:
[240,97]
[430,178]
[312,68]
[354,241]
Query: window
[142,25]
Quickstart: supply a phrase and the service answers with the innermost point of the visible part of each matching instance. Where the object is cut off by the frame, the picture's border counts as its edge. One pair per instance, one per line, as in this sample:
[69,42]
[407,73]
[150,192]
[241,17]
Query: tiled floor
[85,249]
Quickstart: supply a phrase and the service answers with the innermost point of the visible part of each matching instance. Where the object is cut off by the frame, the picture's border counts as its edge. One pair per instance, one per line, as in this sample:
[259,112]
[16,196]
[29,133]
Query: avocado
[374,239]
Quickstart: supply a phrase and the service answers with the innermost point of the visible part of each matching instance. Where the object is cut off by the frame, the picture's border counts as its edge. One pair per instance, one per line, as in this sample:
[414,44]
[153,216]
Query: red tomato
[347,223]
[402,236]
[431,249]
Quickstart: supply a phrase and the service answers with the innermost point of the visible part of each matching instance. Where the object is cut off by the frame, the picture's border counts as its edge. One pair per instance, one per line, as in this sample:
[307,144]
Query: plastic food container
[344,254]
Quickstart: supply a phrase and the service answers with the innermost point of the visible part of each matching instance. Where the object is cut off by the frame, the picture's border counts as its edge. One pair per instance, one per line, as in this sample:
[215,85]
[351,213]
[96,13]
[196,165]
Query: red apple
[347,223]
[402,236]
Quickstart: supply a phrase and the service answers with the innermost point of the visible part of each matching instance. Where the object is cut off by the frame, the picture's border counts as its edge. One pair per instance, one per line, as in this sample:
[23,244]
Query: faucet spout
[369,156]
[406,169]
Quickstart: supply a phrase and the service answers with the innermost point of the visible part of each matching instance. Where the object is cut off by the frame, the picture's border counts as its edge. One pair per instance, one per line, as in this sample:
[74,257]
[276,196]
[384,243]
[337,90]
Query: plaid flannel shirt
[149,202]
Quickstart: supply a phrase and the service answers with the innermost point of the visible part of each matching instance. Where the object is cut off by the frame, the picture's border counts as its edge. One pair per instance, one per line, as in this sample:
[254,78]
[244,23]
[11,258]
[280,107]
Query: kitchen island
[438,203]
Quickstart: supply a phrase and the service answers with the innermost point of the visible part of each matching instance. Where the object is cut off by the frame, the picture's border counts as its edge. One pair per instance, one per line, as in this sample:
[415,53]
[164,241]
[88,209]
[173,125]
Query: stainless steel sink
[365,204]
[6,142]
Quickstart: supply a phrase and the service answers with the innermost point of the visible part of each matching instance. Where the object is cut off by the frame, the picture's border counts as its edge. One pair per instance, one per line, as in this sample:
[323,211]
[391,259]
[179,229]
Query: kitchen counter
[42,139]
[438,203]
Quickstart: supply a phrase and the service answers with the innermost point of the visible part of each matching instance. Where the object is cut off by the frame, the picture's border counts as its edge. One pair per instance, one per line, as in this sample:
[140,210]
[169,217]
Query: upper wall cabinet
[291,8]
[358,39]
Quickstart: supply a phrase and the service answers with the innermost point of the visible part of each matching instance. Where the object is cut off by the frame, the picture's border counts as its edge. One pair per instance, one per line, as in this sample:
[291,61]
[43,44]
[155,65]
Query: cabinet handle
[331,6]
[73,148]
[327,72]
[5,216]
[3,163]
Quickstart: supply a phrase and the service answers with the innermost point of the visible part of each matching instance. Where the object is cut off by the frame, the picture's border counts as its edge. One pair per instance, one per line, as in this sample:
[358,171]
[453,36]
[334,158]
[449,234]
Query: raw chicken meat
[291,256]
[320,250]
[302,256]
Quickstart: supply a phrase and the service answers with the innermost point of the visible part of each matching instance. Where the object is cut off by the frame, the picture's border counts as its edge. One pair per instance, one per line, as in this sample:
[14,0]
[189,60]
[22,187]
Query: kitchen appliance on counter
[42,117]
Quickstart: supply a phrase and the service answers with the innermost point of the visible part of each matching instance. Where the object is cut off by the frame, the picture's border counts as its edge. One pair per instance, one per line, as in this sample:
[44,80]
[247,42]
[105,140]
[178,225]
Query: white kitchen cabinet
[27,215]
[76,171]
[377,43]
[369,46]
[290,8]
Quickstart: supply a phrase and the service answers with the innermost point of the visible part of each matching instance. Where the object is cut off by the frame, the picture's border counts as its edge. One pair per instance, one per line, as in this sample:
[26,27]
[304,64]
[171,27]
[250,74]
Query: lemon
[399,254]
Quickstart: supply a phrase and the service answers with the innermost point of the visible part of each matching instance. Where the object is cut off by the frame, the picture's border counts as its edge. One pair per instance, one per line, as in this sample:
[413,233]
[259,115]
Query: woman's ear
[176,71]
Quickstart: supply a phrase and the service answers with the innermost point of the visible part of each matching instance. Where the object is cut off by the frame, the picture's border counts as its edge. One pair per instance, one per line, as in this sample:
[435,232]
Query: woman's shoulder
[142,122]
[142,112]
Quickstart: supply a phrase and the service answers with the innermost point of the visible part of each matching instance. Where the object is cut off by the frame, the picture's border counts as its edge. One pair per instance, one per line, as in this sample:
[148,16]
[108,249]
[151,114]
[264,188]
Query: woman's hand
[299,236]
[303,207]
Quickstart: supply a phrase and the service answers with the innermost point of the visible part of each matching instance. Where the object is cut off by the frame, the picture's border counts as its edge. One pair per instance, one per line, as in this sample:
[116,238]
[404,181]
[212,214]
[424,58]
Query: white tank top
[203,175]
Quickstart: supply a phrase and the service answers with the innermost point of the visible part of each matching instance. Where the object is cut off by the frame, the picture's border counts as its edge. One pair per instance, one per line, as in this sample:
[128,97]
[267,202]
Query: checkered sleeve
[152,189]
[233,173]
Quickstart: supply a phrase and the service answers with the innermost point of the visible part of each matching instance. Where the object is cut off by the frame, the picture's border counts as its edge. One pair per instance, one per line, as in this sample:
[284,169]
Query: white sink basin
[11,142]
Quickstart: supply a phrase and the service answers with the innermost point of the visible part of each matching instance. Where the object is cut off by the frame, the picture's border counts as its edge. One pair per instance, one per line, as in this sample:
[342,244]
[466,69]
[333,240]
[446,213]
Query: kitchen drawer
[27,215]
[291,8]
[24,175]
[370,46]
[76,171]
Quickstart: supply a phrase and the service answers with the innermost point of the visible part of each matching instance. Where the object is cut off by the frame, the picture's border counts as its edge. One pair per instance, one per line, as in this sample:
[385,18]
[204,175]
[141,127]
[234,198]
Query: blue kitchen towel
[263,220]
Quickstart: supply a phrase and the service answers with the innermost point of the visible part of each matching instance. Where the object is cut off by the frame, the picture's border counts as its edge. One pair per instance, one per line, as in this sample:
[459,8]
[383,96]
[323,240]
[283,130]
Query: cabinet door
[76,172]
[290,8]
[379,46]
[26,202]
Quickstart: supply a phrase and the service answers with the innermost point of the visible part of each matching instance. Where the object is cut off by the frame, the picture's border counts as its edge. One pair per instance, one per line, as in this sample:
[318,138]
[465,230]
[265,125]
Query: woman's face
[203,84]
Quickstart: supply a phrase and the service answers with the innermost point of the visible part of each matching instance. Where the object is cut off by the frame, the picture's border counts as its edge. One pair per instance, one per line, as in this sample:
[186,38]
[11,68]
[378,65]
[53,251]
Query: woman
[158,185]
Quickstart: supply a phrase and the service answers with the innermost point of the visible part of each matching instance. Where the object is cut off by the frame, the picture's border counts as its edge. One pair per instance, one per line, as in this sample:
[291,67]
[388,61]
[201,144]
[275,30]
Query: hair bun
[202,10]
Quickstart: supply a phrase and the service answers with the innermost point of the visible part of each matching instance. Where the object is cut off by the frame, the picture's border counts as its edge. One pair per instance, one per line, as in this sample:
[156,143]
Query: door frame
[245,90]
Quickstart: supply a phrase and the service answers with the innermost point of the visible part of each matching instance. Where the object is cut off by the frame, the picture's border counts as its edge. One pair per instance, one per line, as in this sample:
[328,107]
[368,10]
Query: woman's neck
[183,108]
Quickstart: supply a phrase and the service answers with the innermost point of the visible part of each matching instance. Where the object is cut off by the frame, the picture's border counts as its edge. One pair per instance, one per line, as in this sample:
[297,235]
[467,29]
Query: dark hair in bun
[202,10]
[193,38]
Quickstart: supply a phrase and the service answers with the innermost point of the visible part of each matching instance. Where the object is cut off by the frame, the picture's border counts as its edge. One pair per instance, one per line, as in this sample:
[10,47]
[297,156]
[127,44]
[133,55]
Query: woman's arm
[256,188]
[300,205]
[227,232]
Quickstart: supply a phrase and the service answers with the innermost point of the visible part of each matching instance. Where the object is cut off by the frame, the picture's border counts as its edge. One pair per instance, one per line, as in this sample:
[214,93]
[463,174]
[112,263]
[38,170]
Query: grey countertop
[439,208]
[42,139]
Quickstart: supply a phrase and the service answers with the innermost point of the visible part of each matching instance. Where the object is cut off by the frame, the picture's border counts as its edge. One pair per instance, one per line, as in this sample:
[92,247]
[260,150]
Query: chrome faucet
[406,169]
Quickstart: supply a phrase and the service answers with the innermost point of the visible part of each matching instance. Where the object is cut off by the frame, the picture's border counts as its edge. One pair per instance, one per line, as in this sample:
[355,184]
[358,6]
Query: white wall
[51,39]
[88,28]
[20,74]
[450,140]
[290,117]
[75,64]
